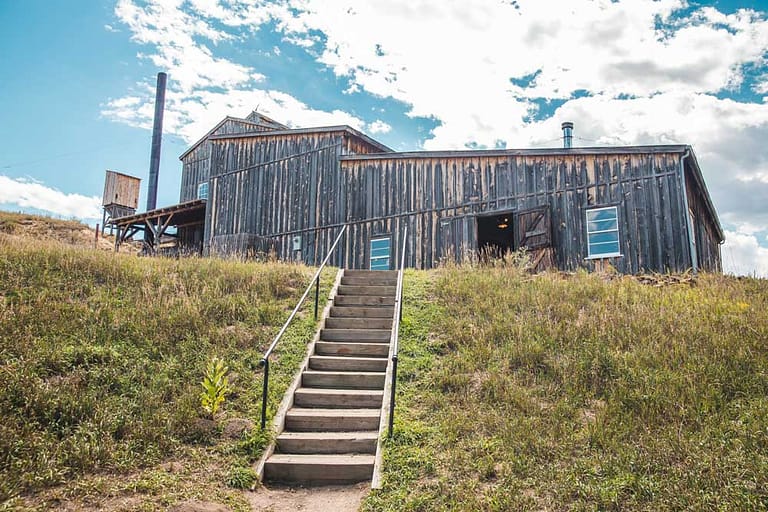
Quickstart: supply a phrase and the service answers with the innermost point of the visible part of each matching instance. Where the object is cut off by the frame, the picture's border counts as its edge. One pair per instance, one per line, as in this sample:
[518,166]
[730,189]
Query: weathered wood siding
[704,229]
[121,190]
[440,198]
[283,185]
[195,165]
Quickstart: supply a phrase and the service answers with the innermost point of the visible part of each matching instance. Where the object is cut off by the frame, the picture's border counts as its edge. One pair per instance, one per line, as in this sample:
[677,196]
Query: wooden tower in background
[121,197]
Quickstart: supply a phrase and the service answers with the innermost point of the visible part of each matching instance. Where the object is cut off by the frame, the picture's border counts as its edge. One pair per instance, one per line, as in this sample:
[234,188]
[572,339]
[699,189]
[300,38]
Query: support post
[317,294]
[264,392]
[392,397]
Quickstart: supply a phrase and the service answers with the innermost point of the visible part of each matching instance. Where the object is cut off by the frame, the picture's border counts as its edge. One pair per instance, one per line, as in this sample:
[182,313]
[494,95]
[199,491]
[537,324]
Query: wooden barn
[290,191]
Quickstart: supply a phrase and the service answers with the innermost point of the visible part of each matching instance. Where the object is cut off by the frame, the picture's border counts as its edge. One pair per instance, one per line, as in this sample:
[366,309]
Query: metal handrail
[265,359]
[395,337]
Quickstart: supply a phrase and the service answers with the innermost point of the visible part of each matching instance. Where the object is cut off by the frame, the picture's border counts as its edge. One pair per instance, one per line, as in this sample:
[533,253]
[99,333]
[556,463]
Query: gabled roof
[270,124]
[297,131]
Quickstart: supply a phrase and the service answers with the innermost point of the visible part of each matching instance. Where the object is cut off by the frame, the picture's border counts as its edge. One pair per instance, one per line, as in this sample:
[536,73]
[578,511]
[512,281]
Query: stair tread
[321,459]
[338,391]
[341,373]
[323,412]
[347,358]
[359,434]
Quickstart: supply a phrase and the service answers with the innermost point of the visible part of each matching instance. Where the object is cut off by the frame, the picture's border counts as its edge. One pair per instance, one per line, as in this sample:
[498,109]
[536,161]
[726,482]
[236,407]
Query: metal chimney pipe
[567,134]
[157,136]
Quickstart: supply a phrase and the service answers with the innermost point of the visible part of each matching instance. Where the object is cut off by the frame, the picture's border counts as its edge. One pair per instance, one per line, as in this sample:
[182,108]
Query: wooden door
[533,230]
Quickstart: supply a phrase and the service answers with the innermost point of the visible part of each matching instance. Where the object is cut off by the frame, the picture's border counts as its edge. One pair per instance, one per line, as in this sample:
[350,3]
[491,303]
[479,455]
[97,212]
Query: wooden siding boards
[645,187]
[287,184]
[266,189]
[121,190]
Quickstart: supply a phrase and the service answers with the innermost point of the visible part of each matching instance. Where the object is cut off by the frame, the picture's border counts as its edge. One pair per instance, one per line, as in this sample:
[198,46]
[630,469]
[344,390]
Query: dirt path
[345,498]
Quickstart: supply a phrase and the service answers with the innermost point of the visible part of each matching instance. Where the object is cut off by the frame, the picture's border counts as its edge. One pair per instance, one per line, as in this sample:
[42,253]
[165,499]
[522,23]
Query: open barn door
[533,230]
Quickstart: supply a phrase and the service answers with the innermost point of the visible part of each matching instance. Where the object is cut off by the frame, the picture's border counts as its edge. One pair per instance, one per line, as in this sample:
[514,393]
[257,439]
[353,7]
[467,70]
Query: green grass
[101,358]
[579,393]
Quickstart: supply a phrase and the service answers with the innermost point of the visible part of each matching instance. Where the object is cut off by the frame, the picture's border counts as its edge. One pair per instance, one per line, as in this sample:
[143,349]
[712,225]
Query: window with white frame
[380,248]
[202,190]
[603,232]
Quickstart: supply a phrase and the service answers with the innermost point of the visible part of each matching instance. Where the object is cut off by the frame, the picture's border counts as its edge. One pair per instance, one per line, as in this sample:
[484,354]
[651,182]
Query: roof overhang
[182,214]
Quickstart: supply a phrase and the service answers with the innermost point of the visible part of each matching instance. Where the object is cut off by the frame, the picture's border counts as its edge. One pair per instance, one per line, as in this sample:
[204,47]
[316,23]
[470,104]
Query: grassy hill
[101,358]
[579,392]
[516,392]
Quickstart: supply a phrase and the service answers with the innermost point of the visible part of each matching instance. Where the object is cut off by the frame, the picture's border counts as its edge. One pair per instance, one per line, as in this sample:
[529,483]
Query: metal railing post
[317,295]
[264,392]
[392,396]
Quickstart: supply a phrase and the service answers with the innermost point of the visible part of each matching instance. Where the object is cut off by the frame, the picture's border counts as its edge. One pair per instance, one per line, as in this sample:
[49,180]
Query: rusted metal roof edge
[600,150]
[299,131]
[218,125]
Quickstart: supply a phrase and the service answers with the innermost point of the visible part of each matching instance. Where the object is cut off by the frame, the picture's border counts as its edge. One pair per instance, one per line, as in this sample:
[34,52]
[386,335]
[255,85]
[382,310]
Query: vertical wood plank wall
[282,184]
[707,247]
[264,191]
[440,199]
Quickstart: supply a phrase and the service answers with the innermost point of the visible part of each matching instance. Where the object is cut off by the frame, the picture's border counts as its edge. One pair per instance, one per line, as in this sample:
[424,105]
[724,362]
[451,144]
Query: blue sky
[77,80]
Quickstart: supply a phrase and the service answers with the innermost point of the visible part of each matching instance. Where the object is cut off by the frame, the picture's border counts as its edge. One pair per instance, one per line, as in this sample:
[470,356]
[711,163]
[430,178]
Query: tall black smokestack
[157,136]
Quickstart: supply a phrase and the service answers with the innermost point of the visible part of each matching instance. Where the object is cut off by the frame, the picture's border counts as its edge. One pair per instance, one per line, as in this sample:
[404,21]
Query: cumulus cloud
[379,126]
[742,255]
[31,194]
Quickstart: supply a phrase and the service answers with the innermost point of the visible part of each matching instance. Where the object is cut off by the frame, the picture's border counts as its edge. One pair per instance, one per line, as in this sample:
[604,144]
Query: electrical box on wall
[297,243]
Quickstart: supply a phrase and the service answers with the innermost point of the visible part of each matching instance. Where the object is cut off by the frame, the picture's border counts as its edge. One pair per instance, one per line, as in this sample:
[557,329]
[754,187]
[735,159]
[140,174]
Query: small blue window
[603,232]
[380,248]
[202,190]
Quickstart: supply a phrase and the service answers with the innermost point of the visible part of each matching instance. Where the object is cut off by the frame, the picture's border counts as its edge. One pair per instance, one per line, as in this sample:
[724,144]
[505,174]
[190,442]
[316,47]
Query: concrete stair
[330,432]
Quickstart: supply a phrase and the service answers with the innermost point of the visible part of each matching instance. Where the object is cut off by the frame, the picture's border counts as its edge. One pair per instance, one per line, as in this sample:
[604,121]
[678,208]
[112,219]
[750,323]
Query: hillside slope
[579,392]
[101,358]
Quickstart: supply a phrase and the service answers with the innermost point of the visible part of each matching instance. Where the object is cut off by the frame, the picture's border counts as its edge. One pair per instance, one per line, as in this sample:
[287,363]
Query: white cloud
[379,126]
[32,194]
[202,87]
[742,255]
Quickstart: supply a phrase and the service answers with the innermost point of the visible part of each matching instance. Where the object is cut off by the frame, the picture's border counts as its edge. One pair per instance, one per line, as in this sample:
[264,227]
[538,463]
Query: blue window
[202,190]
[380,248]
[603,232]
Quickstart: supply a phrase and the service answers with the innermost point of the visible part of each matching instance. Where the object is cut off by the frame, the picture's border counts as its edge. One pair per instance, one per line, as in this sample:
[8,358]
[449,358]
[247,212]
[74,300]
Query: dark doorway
[495,234]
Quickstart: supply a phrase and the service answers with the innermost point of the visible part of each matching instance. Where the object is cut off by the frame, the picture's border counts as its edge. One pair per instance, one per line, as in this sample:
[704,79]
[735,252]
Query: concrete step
[327,442]
[363,300]
[342,380]
[299,419]
[378,291]
[319,469]
[338,398]
[362,312]
[372,280]
[343,348]
[356,335]
[366,273]
[349,364]
[358,323]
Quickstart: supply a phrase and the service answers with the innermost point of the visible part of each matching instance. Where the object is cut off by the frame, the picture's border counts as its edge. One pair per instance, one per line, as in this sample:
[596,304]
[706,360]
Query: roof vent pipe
[567,134]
